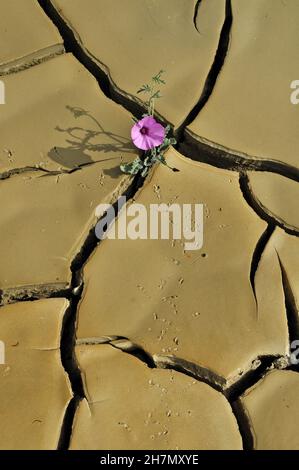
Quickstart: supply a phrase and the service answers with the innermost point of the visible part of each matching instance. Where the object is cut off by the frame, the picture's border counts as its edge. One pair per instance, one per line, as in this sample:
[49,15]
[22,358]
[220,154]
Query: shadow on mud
[82,140]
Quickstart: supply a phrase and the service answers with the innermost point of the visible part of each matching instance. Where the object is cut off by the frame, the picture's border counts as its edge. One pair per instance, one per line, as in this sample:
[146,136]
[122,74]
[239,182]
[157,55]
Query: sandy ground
[142,344]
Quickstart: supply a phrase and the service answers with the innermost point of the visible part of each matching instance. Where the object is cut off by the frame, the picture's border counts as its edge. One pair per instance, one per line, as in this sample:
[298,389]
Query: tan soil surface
[168,402]
[143,344]
[272,408]
[277,196]
[187,301]
[34,388]
[250,111]
[27,36]
[147,35]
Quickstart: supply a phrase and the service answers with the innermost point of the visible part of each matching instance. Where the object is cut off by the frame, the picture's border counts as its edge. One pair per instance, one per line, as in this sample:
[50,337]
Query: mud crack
[232,391]
[68,335]
[31,60]
[260,210]
[198,149]
[243,424]
[72,44]
[122,343]
[196,8]
[216,67]
[45,172]
[257,254]
[290,303]
[34,292]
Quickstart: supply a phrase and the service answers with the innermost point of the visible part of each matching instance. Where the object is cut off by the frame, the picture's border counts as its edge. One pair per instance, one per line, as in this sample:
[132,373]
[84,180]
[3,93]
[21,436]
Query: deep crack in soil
[68,334]
[228,160]
[216,67]
[259,209]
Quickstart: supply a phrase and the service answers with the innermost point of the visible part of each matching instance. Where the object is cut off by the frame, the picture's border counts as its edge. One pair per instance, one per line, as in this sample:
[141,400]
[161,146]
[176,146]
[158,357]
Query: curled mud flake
[281,363]
[256,363]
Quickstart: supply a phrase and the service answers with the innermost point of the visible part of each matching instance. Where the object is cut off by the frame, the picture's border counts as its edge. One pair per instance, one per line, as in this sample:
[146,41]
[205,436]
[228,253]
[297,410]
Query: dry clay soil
[141,344]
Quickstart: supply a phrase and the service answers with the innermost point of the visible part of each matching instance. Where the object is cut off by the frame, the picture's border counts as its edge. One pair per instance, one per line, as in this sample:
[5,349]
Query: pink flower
[147,133]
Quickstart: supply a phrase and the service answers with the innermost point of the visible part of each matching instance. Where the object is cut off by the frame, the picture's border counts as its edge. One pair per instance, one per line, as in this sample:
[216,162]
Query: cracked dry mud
[200,340]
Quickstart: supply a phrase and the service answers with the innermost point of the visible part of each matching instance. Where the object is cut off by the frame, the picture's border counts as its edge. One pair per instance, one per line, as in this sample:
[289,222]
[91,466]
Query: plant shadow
[82,140]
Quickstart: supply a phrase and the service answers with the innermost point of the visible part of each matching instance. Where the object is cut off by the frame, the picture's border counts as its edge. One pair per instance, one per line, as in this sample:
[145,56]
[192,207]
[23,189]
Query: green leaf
[144,171]
[161,159]
[157,78]
[164,145]
[133,167]
[144,89]
[157,94]
[154,152]
[147,161]
[167,129]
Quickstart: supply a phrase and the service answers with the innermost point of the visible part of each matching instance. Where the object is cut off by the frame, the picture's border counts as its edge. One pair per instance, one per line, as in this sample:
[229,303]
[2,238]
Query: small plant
[148,135]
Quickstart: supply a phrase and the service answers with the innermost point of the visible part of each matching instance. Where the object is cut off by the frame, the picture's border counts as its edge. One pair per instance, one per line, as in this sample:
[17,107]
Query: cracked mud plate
[219,308]
[141,343]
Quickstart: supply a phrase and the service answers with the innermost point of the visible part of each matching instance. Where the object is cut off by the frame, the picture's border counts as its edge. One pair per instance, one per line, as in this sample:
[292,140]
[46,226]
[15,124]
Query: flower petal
[139,142]
[157,134]
[135,131]
[157,130]
[148,121]
[154,137]
[149,143]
